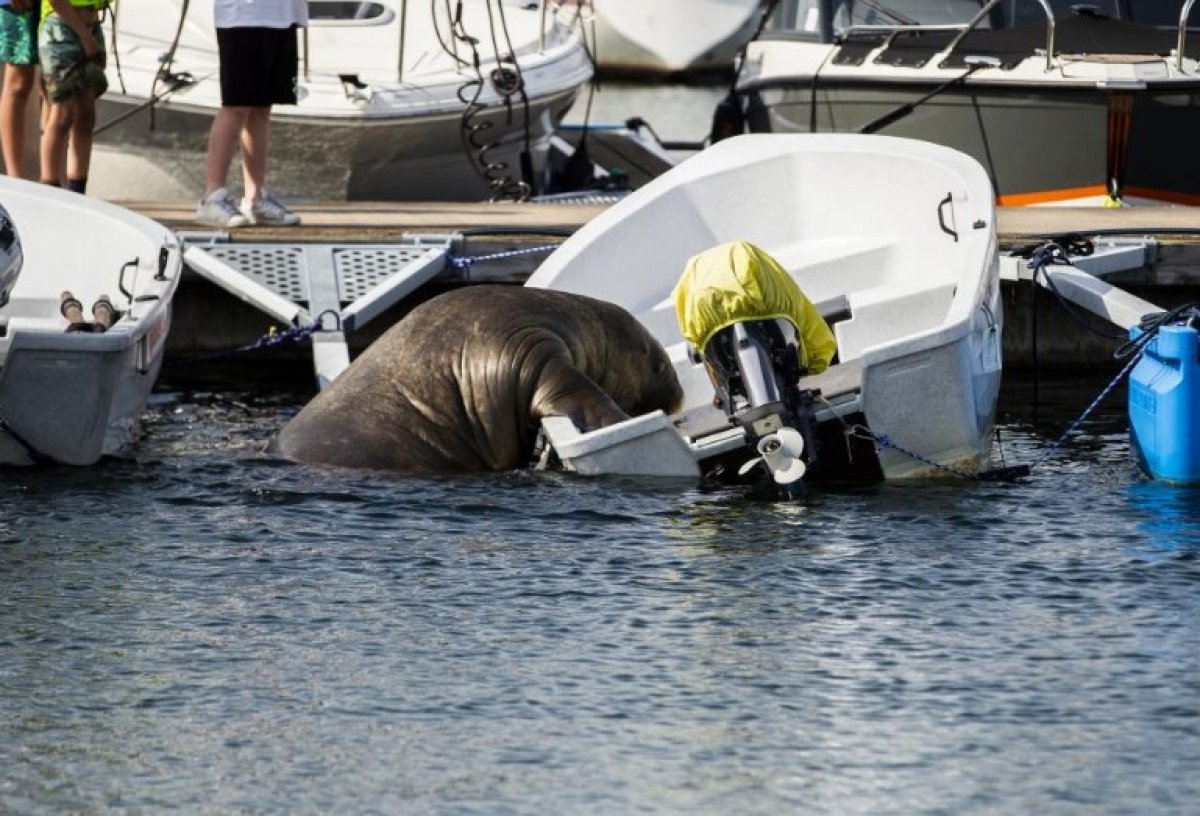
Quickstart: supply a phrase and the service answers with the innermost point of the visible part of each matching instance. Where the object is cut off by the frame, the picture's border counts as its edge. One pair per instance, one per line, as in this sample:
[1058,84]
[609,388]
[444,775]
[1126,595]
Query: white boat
[71,393]
[390,104]
[893,240]
[1062,102]
[669,36]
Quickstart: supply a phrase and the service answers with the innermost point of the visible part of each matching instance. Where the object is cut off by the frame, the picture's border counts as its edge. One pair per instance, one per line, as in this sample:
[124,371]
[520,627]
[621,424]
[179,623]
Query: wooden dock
[354,221]
[380,221]
[207,319]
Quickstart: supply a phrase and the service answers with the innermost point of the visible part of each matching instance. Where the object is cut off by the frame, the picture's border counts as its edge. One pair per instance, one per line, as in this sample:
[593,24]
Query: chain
[884,441]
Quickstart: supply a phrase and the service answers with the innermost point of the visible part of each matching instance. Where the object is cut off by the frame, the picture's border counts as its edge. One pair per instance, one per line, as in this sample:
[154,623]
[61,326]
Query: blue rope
[1005,473]
[292,334]
[467,261]
[1047,254]
[1057,443]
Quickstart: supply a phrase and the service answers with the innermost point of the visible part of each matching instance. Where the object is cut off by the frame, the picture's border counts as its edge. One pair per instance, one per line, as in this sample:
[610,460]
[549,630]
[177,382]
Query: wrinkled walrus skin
[462,383]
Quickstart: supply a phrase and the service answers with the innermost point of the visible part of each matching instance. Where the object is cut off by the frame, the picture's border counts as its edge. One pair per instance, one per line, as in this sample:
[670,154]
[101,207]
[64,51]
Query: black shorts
[258,66]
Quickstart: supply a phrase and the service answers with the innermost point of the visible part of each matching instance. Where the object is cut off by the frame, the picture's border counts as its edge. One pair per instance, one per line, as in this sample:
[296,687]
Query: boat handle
[164,255]
[121,278]
[949,199]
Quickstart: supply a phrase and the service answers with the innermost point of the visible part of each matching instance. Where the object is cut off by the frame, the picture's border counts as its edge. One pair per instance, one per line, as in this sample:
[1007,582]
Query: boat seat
[884,314]
[42,324]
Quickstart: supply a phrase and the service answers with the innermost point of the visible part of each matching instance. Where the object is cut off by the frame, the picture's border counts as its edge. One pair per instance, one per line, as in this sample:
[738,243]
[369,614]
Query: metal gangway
[340,286]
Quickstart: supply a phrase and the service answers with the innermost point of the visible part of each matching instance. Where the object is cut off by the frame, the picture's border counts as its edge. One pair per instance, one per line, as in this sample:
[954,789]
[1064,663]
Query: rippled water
[201,629]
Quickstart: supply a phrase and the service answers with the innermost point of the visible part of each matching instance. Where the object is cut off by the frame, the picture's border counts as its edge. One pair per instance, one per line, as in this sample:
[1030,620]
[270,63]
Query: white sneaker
[269,211]
[218,209]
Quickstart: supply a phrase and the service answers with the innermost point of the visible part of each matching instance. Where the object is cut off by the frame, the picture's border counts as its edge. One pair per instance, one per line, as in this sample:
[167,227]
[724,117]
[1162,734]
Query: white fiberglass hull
[671,36]
[375,119]
[71,397]
[1107,118]
[892,239]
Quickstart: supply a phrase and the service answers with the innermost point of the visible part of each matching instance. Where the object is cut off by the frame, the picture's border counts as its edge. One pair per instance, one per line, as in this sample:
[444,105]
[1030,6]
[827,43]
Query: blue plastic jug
[1164,405]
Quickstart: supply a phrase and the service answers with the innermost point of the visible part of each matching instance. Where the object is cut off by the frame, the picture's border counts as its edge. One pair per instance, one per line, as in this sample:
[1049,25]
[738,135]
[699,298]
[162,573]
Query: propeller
[780,452]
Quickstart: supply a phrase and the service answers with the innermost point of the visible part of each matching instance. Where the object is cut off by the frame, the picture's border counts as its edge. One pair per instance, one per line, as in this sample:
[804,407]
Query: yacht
[397,100]
[1062,102]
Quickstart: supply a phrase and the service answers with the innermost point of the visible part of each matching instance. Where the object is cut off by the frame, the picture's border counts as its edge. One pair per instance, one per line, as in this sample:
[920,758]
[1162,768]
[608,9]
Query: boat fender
[728,119]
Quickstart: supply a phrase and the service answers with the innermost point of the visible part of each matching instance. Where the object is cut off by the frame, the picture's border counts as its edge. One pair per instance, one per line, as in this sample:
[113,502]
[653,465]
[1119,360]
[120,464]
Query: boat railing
[1184,13]
[542,27]
[403,37]
[402,19]
[584,10]
[966,28]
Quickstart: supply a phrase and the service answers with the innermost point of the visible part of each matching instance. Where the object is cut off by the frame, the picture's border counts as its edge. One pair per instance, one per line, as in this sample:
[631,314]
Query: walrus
[462,382]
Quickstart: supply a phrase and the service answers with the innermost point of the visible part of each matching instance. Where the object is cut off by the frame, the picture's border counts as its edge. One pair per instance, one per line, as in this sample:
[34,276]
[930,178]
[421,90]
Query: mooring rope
[467,261]
[1002,474]
[273,337]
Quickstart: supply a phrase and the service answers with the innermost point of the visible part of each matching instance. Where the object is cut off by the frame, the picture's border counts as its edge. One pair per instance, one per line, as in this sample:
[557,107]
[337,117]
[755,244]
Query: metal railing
[1184,13]
[403,37]
[966,28]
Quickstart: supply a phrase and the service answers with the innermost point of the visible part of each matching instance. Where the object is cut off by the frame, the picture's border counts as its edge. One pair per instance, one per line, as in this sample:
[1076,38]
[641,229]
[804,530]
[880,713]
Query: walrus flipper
[564,390]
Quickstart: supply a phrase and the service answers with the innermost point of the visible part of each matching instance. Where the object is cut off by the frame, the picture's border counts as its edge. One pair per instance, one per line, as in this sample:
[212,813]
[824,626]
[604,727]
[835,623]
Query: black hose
[165,67]
[1150,324]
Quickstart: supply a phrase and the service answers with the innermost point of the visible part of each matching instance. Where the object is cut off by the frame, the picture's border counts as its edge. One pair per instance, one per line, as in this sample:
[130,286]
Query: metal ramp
[340,286]
[1082,281]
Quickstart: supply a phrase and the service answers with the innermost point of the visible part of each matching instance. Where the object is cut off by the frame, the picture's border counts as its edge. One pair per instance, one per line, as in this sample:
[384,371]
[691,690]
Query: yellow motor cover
[738,281]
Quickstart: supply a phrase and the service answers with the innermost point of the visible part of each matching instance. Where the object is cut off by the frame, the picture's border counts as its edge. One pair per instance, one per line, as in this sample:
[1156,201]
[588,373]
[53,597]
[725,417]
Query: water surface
[203,629]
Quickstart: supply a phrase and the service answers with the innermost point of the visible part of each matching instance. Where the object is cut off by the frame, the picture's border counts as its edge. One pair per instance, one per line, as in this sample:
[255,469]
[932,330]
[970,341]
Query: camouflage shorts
[18,36]
[66,72]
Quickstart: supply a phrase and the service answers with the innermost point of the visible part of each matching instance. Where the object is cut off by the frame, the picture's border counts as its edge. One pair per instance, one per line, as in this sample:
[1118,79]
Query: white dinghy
[397,100]
[893,242]
[83,333]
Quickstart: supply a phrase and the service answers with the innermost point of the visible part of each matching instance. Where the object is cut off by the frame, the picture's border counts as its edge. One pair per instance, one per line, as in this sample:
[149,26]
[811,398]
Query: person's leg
[256,142]
[277,85]
[222,144]
[55,137]
[218,208]
[18,85]
[79,153]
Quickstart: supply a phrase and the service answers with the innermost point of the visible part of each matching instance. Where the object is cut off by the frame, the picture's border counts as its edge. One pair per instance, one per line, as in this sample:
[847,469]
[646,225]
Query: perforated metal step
[286,269]
[300,283]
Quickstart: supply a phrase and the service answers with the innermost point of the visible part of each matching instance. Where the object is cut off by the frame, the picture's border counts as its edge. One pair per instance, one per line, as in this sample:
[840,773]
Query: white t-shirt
[261,13]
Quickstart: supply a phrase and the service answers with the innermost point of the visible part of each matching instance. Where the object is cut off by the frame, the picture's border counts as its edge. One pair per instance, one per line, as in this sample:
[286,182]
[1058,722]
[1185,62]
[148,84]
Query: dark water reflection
[206,630]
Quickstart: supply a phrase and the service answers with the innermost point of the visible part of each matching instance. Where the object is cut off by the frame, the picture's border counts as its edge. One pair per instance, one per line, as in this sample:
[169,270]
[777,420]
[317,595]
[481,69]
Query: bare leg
[18,85]
[222,142]
[256,142]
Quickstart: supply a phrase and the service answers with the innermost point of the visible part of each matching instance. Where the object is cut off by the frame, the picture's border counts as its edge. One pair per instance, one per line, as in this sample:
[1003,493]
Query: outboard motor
[755,369]
[757,335]
[12,258]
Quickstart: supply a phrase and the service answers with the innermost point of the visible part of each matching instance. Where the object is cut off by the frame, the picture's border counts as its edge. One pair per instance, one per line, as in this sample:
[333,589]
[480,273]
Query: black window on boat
[345,10]
[1020,12]
[902,12]
[812,16]
[1160,12]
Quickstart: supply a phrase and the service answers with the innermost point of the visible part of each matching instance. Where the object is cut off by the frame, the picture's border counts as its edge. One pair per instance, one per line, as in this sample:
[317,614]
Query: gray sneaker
[218,209]
[269,211]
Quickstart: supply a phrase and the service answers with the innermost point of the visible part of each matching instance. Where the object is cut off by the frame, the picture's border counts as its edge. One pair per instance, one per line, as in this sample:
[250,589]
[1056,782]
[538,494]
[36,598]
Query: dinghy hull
[70,394]
[893,241]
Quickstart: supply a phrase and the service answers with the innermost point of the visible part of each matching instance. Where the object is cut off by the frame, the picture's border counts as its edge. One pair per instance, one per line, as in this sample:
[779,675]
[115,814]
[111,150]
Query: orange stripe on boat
[1052,196]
